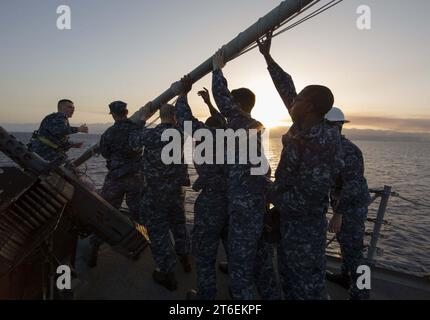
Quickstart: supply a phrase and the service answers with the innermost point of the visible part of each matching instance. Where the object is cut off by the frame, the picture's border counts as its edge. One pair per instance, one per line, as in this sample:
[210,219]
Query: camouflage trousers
[163,212]
[302,260]
[265,272]
[350,239]
[129,187]
[114,191]
[248,255]
[210,226]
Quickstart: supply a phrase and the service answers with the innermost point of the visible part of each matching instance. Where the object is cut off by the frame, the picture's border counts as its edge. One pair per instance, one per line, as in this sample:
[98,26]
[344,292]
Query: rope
[417,203]
[158,117]
[253,46]
[313,14]
[318,11]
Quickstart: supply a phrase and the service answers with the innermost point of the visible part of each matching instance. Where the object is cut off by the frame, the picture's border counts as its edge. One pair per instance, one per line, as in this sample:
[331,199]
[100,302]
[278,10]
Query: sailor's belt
[47,142]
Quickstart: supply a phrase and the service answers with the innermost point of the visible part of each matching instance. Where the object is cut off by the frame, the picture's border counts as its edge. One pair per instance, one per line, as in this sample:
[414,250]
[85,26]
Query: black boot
[223,267]
[341,279]
[166,280]
[186,263]
[192,294]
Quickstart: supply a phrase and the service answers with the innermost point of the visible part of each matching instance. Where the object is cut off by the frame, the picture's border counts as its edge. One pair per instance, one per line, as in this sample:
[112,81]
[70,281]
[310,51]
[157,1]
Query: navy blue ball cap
[117,107]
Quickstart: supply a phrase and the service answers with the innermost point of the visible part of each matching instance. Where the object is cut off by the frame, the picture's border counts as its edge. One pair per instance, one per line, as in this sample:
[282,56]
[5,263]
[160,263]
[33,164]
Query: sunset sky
[133,50]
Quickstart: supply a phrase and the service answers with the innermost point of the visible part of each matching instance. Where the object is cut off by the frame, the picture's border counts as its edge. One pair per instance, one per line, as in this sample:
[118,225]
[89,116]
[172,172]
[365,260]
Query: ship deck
[116,277]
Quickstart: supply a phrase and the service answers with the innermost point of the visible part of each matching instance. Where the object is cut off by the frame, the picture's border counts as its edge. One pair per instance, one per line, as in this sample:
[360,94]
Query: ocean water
[405,241]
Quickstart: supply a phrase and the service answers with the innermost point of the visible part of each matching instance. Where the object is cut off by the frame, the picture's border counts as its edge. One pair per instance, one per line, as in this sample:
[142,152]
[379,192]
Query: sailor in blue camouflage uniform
[310,160]
[163,200]
[210,208]
[124,178]
[51,141]
[349,199]
[246,197]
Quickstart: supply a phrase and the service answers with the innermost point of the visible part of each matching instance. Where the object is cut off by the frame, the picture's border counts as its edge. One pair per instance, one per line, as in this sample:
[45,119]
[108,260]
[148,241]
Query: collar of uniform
[62,114]
[121,121]
[166,125]
[308,133]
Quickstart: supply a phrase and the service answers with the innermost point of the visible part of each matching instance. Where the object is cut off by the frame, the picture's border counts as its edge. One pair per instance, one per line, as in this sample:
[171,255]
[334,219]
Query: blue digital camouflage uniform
[124,178]
[350,198]
[310,160]
[51,141]
[210,209]
[163,198]
[246,207]
[265,273]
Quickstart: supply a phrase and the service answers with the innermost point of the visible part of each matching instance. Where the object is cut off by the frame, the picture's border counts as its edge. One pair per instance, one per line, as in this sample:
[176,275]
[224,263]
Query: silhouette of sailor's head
[214,122]
[314,100]
[167,114]
[245,98]
[118,110]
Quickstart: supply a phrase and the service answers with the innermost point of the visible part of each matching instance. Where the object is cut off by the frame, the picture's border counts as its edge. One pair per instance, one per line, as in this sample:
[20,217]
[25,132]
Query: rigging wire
[294,16]
[304,9]
[417,203]
[158,117]
[315,13]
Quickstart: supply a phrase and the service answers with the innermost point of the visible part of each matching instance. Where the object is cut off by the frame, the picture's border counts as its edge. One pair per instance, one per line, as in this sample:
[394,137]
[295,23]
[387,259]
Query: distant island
[369,134]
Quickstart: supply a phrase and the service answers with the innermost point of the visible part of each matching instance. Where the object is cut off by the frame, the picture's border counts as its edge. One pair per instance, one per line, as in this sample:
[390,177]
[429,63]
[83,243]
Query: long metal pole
[270,21]
[88,154]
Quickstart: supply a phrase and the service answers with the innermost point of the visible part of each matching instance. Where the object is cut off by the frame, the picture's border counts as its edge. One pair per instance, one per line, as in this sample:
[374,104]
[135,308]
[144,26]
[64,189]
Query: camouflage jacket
[210,175]
[155,171]
[351,190]
[56,128]
[310,159]
[121,159]
[240,178]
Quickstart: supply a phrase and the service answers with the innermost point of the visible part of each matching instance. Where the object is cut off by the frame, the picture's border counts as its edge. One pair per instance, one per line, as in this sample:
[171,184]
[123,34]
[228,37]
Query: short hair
[167,111]
[245,98]
[214,122]
[63,101]
[320,96]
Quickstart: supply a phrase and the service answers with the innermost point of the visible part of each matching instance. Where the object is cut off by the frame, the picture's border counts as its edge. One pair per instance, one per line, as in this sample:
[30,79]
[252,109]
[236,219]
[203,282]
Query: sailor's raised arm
[141,136]
[222,95]
[183,110]
[184,113]
[282,80]
[214,112]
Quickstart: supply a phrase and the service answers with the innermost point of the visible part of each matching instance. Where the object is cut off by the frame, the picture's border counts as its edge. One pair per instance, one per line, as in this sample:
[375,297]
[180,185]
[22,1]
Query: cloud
[387,123]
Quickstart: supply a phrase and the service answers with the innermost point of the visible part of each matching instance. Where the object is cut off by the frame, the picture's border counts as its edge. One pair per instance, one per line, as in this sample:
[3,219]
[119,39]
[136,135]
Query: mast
[270,21]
